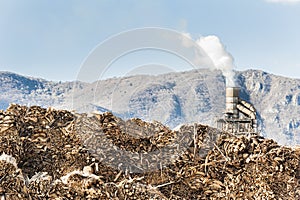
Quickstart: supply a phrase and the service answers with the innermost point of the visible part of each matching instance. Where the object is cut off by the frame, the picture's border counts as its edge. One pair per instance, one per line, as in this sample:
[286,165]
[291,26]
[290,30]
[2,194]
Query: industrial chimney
[239,116]
[232,100]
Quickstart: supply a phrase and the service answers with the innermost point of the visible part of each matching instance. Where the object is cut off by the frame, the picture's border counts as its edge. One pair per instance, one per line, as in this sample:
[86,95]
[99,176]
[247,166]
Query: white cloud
[284,1]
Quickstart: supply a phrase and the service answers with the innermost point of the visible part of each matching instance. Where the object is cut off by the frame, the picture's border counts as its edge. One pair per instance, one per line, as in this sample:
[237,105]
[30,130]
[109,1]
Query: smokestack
[232,100]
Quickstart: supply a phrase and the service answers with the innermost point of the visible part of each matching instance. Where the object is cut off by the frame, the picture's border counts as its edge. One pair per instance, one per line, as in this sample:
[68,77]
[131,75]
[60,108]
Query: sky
[52,39]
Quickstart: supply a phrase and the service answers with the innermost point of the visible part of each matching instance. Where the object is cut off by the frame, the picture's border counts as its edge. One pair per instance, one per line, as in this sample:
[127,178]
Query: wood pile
[56,154]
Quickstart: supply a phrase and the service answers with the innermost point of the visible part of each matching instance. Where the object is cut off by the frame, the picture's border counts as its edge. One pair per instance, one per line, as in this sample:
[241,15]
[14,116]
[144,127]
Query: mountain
[173,99]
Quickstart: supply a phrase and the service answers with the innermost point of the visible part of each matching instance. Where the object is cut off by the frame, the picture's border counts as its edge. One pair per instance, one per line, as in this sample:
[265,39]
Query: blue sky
[51,39]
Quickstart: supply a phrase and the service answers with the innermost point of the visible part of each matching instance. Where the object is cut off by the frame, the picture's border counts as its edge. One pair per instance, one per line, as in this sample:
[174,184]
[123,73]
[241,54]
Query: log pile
[56,154]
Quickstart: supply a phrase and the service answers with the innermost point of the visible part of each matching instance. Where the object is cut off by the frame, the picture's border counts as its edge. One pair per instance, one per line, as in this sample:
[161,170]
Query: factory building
[240,116]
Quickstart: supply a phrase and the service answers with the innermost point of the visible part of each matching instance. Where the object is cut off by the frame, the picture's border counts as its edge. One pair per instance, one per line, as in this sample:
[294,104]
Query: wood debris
[56,154]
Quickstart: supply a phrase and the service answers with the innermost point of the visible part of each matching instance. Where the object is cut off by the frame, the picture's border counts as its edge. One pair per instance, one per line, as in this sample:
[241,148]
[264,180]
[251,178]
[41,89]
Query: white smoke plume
[221,58]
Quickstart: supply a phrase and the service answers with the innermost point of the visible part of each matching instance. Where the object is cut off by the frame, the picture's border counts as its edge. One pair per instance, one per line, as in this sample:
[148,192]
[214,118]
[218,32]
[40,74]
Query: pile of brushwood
[56,154]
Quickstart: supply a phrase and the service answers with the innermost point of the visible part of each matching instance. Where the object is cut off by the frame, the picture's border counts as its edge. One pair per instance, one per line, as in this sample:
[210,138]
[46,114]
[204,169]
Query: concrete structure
[240,116]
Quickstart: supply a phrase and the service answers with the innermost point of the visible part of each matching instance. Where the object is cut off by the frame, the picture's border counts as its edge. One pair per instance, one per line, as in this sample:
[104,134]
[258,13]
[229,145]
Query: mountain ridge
[173,98]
